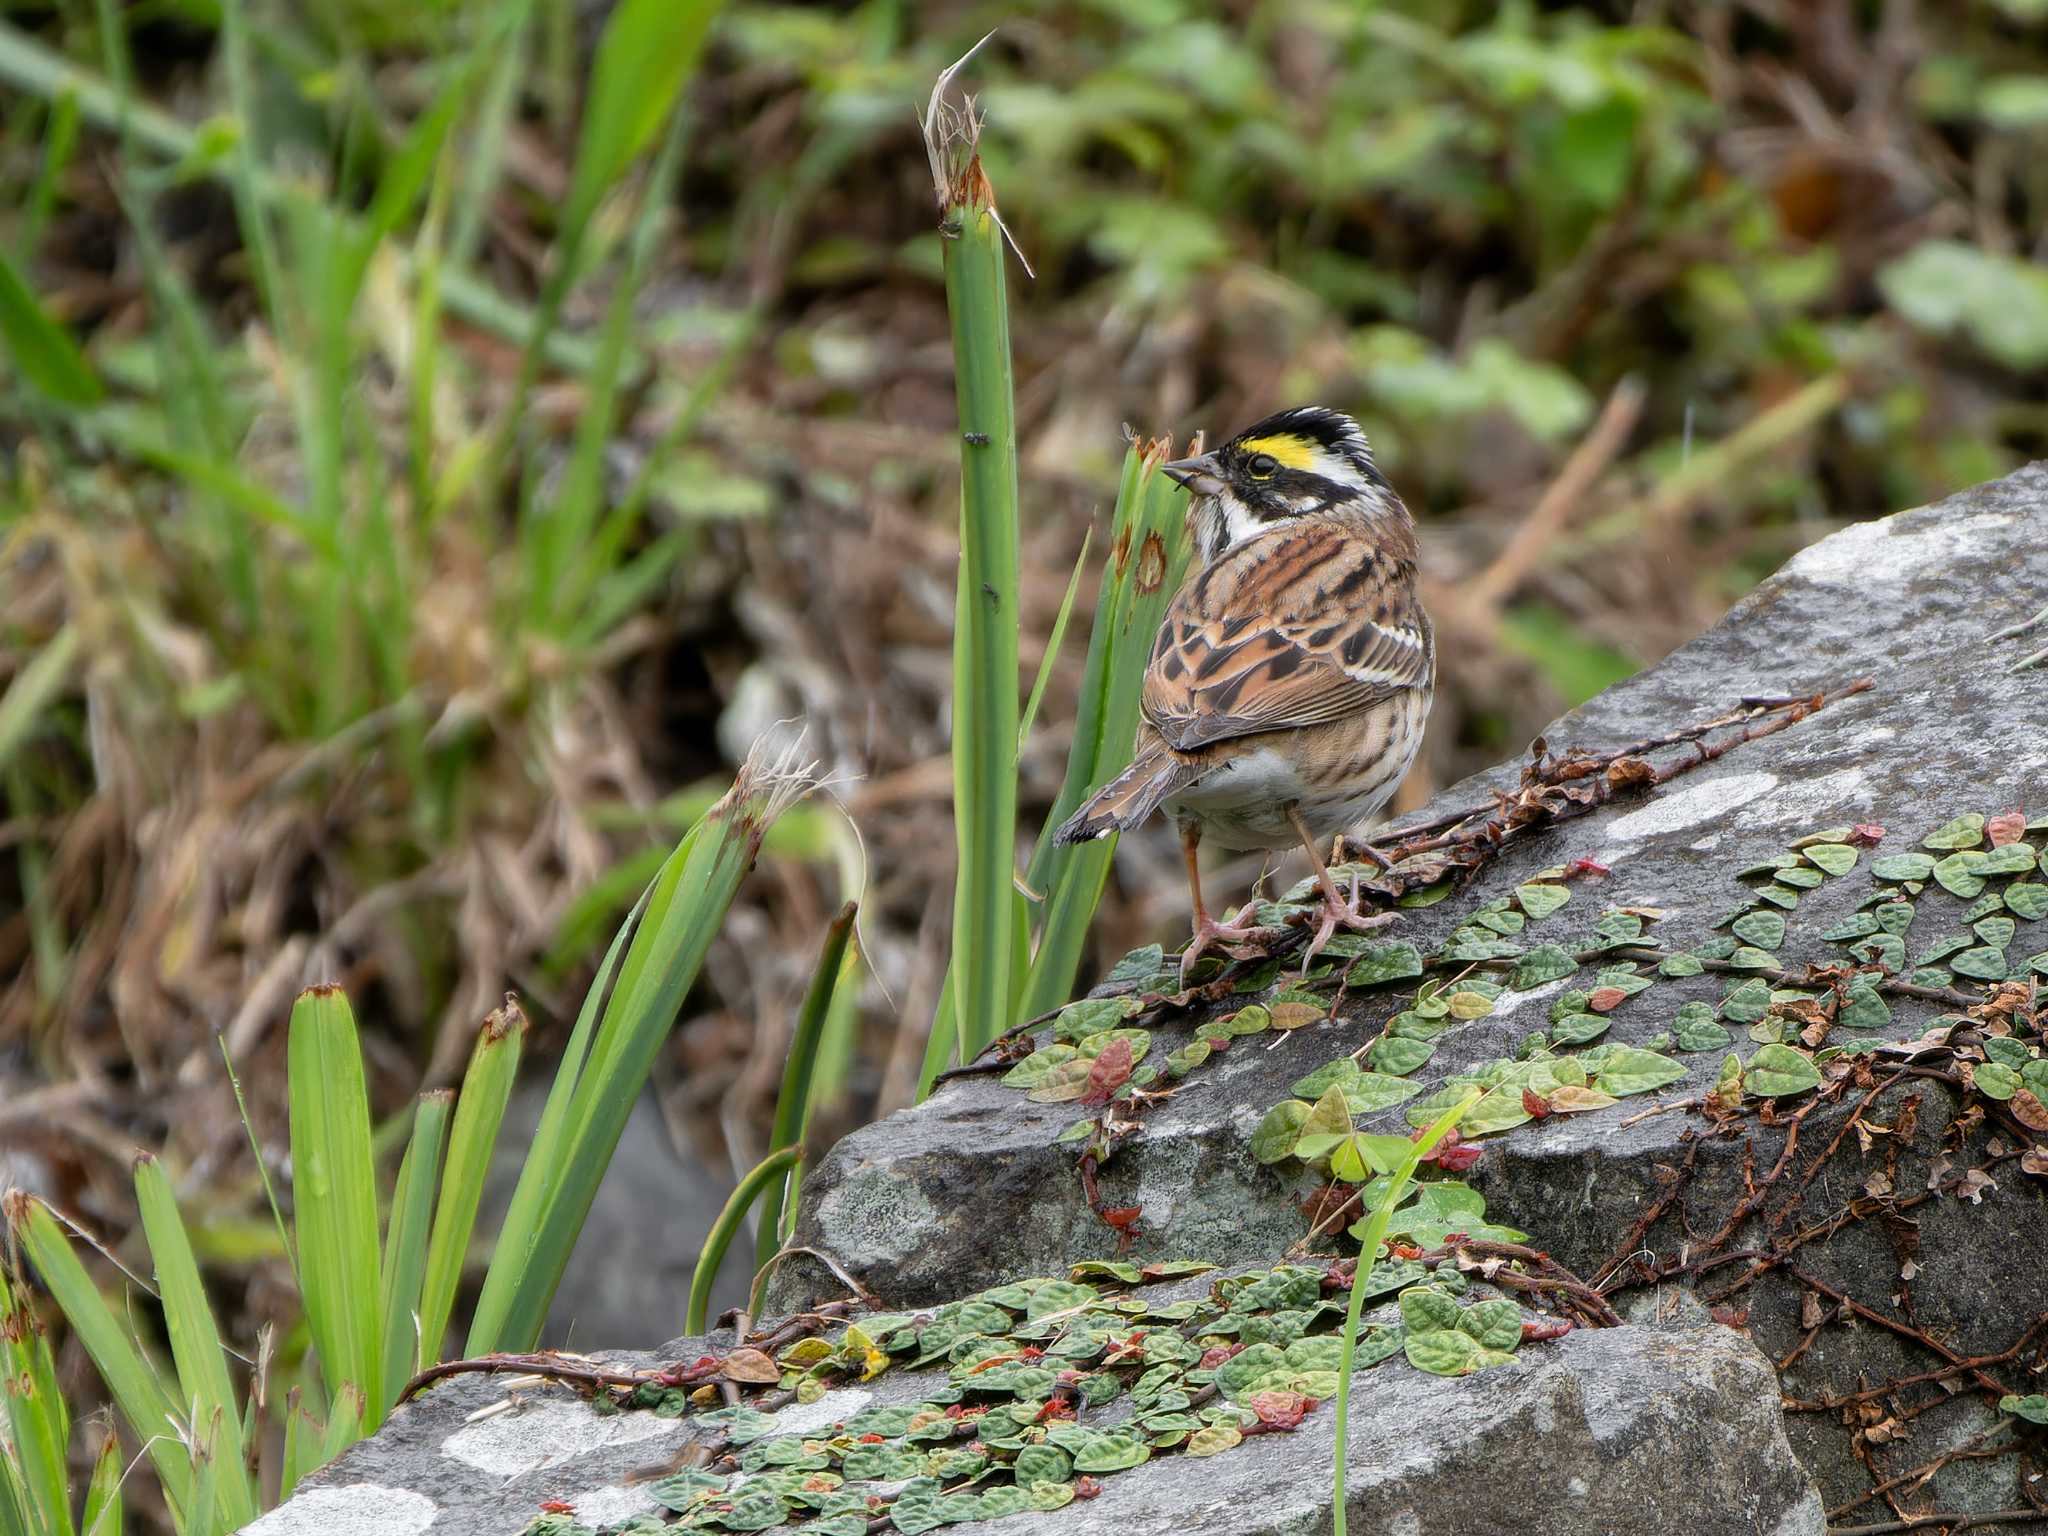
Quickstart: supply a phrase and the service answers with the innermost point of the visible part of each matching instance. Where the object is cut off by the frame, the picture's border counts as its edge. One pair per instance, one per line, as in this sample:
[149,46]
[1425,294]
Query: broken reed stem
[578,1372]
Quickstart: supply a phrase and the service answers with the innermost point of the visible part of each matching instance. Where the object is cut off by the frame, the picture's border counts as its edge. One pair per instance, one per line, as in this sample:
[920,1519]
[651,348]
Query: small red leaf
[1112,1067]
[1605,999]
[1544,1328]
[1868,833]
[557,1507]
[2006,827]
[1535,1103]
[1457,1159]
[1280,1410]
[1087,1487]
[1578,867]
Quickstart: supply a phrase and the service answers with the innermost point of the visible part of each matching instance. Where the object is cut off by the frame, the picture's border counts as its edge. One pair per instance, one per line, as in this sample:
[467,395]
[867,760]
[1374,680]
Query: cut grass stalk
[334,1191]
[479,1112]
[612,1048]
[406,1235]
[103,1493]
[985,671]
[205,1391]
[793,1102]
[35,1421]
[139,1392]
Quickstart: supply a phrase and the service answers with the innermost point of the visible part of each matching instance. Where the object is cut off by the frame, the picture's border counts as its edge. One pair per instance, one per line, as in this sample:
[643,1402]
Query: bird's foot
[1241,938]
[2027,627]
[1347,913]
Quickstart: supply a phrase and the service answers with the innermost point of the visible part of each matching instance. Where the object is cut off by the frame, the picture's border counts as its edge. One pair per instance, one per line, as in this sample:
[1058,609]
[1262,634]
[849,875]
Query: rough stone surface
[1569,1438]
[970,1189]
[1671,1423]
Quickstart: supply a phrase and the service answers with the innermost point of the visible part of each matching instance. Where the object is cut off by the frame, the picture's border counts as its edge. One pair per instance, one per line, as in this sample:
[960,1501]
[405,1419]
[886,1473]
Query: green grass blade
[35,1421]
[334,1191]
[151,1411]
[535,1188]
[683,910]
[726,1228]
[405,1239]
[29,66]
[204,1387]
[43,352]
[1053,642]
[301,1445]
[565,529]
[47,674]
[60,142]
[1368,1256]
[985,672]
[479,1112]
[103,1493]
[644,55]
[793,1102]
[1150,553]
[344,1412]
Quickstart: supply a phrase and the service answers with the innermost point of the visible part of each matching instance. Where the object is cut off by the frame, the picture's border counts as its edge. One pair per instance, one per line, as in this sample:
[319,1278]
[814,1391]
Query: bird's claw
[1345,914]
[1240,938]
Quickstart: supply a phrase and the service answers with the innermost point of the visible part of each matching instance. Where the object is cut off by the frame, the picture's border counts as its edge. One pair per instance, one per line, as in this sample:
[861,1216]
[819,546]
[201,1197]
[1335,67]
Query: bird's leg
[1236,937]
[1337,911]
[2027,627]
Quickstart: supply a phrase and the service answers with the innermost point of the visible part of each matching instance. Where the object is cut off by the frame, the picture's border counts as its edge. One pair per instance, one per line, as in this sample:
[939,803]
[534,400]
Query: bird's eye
[1260,466]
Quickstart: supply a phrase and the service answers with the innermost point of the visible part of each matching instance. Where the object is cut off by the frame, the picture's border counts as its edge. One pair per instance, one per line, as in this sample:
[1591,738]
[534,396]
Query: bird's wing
[1310,623]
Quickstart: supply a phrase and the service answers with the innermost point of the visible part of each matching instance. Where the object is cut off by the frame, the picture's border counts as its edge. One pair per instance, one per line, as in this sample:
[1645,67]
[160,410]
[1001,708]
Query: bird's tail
[1130,797]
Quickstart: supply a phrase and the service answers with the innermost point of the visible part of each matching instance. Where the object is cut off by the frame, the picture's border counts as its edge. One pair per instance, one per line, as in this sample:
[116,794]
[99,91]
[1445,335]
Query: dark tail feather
[1128,798]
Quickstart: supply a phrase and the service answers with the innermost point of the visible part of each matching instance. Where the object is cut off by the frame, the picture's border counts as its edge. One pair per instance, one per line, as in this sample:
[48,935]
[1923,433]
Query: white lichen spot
[1405,1522]
[1693,804]
[879,1215]
[611,1505]
[547,1433]
[1508,1002]
[1576,1487]
[806,1418]
[1867,555]
[360,1509]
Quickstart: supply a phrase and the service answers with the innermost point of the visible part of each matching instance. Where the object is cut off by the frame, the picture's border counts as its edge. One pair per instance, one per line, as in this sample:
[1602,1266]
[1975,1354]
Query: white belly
[1241,803]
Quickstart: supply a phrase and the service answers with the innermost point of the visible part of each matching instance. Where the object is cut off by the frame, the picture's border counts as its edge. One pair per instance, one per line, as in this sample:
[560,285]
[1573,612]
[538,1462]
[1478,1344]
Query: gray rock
[1566,1441]
[970,1188]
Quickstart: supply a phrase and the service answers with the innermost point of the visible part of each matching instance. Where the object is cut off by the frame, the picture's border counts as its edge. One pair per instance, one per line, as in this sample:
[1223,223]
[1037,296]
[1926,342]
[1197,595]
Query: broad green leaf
[45,355]
[1834,858]
[1630,1069]
[1540,900]
[1442,1351]
[1777,1070]
[1964,832]
[1766,930]
[1384,962]
[1545,963]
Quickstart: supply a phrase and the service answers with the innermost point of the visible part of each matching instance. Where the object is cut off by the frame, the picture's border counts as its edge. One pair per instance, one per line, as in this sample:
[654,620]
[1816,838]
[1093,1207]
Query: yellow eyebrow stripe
[1294,452]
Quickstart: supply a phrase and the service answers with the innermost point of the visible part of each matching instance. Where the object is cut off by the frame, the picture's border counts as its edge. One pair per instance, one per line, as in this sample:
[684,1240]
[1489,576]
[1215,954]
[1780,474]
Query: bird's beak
[1201,475]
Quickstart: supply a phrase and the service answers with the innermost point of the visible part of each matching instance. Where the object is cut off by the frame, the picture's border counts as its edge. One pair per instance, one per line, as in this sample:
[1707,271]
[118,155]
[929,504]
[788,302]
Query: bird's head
[1299,461]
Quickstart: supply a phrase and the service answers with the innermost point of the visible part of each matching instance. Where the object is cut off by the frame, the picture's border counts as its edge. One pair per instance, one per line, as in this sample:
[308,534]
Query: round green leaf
[1777,1070]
